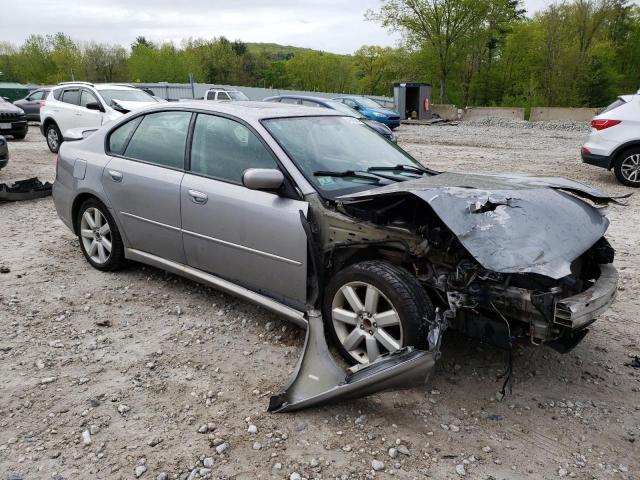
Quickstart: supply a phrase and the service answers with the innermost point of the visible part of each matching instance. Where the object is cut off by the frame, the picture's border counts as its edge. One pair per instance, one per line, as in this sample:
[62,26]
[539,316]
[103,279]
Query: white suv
[223,95]
[614,140]
[72,105]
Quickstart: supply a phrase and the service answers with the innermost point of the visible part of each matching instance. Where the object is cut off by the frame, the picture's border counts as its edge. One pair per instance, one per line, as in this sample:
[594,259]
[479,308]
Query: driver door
[253,238]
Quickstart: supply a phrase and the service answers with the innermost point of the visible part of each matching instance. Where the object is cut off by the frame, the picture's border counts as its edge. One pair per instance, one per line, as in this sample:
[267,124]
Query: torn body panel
[318,380]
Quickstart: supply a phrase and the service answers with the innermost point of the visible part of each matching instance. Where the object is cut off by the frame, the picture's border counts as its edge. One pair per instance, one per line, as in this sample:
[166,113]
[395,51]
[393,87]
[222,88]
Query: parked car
[307,101]
[4,152]
[224,95]
[371,109]
[12,120]
[296,207]
[73,105]
[32,103]
[614,140]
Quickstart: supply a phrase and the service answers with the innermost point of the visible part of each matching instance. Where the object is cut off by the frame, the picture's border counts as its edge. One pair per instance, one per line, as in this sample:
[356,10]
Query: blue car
[308,101]
[371,109]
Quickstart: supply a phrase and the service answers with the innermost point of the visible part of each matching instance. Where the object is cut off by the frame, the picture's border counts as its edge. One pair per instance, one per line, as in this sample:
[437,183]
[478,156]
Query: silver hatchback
[296,208]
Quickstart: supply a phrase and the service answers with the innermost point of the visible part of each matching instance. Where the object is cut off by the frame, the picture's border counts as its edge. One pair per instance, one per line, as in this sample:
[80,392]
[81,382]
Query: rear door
[67,111]
[143,178]
[253,238]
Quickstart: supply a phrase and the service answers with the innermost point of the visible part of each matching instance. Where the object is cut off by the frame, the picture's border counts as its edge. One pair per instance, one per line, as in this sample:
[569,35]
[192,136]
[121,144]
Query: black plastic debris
[28,189]
[635,363]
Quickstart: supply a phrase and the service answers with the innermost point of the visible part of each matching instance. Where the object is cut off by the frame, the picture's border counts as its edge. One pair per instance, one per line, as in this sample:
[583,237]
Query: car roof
[303,97]
[250,109]
[97,86]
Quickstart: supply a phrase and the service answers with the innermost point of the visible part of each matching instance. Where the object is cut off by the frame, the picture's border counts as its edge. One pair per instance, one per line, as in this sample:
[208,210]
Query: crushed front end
[507,258]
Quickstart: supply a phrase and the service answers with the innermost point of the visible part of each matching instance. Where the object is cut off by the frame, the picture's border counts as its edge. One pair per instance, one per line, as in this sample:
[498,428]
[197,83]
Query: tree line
[473,52]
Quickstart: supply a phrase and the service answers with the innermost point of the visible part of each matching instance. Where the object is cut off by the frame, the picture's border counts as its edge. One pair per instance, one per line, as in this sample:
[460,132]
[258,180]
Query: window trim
[141,115]
[290,186]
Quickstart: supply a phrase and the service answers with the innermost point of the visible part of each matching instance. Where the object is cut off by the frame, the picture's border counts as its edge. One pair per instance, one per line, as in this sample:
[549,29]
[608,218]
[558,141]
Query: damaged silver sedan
[315,216]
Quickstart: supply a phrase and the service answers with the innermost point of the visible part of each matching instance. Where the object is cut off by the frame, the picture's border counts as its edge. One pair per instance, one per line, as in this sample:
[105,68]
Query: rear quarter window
[120,136]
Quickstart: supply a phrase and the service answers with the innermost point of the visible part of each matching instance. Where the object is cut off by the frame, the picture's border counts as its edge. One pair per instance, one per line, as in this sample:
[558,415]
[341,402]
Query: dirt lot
[141,373]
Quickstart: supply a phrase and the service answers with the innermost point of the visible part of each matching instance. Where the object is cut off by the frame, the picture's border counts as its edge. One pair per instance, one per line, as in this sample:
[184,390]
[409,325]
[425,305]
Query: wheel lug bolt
[370,332]
[361,327]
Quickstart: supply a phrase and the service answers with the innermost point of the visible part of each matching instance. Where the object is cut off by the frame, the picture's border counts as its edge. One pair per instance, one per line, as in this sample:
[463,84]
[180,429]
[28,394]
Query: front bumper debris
[317,379]
[580,310]
[24,190]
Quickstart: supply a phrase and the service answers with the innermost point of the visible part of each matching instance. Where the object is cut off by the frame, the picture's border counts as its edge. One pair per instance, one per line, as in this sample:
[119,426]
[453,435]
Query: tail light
[41,103]
[585,151]
[602,124]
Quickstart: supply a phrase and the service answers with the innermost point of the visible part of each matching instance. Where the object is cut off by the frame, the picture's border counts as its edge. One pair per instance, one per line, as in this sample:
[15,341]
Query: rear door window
[160,139]
[223,96]
[71,95]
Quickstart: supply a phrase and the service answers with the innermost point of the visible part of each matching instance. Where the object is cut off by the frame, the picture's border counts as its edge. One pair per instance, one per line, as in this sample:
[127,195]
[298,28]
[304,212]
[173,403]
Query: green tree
[442,25]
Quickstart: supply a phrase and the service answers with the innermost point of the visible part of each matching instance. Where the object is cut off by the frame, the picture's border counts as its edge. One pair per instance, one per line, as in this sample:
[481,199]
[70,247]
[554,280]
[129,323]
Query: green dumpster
[13,91]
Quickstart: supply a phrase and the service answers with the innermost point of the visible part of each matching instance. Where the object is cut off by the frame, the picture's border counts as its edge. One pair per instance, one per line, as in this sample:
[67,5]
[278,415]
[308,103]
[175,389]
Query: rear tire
[53,136]
[99,236]
[627,167]
[388,312]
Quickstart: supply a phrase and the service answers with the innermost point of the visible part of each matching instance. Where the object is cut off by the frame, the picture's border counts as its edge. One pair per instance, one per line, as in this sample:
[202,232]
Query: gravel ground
[143,374]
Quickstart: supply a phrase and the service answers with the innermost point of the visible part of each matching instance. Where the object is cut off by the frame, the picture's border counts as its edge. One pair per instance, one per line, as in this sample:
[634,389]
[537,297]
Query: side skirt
[218,283]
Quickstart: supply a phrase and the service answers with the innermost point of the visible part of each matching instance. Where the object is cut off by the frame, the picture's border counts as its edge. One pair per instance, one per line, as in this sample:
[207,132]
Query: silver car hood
[511,224]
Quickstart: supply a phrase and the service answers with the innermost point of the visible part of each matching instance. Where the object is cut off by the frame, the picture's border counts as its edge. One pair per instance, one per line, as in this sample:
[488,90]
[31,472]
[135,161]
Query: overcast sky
[330,25]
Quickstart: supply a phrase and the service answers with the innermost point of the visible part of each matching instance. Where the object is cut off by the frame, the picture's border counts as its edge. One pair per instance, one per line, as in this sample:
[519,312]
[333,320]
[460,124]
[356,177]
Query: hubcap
[96,235]
[52,138]
[365,321]
[630,168]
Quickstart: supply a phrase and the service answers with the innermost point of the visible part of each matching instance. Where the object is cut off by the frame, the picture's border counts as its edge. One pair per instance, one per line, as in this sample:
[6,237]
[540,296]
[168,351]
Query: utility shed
[13,91]
[413,97]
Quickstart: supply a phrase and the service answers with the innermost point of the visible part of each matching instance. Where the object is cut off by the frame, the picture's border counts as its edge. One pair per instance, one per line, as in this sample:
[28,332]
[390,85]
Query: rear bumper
[580,310]
[602,161]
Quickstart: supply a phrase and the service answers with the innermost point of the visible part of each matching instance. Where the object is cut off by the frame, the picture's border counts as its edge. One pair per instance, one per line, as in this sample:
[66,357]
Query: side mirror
[95,106]
[268,179]
[7,99]
[356,107]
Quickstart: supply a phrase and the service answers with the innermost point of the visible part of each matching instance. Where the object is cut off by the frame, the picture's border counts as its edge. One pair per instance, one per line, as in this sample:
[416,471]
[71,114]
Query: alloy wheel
[365,321]
[95,233]
[630,168]
[52,138]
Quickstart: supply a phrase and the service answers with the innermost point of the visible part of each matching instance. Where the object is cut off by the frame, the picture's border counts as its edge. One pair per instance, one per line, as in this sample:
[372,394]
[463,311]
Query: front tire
[375,307]
[54,137]
[99,237]
[627,168]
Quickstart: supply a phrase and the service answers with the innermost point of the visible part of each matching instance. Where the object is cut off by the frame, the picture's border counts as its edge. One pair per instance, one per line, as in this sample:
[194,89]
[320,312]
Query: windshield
[133,95]
[319,144]
[237,96]
[342,108]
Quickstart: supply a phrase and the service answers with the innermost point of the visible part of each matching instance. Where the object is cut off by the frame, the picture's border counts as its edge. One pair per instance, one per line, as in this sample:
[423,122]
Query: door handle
[198,197]
[115,175]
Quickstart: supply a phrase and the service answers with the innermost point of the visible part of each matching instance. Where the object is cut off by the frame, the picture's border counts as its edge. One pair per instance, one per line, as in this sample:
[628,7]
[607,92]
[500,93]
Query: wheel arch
[617,153]
[82,197]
